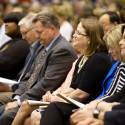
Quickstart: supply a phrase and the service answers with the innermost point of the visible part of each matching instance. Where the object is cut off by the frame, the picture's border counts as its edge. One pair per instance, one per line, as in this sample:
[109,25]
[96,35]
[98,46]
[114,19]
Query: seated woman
[109,111]
[14,52]
[90,69]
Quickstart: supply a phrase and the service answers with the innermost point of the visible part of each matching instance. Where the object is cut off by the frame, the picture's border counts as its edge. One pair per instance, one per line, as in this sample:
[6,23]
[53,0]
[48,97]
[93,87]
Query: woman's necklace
[81,63]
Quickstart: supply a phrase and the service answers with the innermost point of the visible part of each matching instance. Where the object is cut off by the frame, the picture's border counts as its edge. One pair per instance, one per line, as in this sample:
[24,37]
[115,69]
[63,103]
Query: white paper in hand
[8,81]
[69,100]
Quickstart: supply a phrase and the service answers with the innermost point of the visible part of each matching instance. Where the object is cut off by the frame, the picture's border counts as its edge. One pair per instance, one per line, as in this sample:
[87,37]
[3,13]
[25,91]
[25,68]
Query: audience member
[109,19]
[85,83]
[52,67]
[14,52]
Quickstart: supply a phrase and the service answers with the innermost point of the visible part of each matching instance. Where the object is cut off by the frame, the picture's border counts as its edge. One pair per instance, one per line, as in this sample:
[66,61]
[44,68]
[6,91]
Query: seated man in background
[109,19]
[50,67]
[28,33]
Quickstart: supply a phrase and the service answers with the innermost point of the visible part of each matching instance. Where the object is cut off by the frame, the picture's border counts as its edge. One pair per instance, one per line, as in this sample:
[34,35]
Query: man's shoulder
[61,42]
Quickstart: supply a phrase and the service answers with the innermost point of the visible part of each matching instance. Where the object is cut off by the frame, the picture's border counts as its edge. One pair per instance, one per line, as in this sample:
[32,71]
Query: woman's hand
[47,97]
[92,105]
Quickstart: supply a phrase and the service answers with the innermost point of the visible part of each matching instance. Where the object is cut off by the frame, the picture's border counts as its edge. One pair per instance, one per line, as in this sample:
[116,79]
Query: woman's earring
[88,42]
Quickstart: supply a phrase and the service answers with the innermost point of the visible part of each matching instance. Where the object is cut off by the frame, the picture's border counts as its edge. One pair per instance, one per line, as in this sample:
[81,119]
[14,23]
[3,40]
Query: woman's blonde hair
[113,37]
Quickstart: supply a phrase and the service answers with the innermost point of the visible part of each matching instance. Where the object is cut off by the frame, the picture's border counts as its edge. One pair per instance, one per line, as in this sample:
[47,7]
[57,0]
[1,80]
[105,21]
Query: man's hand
[5,88]
[79,116]
[11,105]
[92,105]
[104,106]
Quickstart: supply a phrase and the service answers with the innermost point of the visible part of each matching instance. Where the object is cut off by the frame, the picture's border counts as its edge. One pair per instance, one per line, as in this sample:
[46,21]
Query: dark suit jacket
[29,59]
[28,63]
[52,72]
[12,59]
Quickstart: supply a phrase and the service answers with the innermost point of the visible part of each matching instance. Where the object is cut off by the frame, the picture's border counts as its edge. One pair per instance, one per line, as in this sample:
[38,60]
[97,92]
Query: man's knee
[7,117]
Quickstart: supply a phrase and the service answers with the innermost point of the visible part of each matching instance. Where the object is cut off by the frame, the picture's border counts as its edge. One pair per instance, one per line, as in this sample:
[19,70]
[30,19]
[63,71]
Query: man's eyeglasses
[24,33]
[76,32]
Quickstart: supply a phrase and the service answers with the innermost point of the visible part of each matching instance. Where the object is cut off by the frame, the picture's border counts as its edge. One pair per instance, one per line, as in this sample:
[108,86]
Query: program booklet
[40,103]
[69,100]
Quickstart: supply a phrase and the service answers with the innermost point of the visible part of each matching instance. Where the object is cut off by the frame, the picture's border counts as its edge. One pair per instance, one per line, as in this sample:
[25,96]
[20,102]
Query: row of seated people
[109,17]
[56,112]
[83,60]
[82,88]
[29,35]
[49,69]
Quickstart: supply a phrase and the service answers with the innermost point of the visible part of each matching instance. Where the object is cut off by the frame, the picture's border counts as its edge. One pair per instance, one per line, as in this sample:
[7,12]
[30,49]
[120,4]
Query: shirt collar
[33,46]
[48,47]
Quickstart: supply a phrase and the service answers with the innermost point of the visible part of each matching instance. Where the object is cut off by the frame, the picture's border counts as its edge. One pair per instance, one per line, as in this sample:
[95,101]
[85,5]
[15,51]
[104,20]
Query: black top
[12,59]
[92,74]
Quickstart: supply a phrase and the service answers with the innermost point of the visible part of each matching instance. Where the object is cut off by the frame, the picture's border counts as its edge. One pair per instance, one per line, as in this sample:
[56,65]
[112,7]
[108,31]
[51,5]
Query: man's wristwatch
[96,113]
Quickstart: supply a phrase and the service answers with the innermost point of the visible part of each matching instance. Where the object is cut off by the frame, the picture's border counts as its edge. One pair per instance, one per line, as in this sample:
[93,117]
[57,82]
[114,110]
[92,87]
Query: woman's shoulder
[20,42]
[100,58]
[100,55]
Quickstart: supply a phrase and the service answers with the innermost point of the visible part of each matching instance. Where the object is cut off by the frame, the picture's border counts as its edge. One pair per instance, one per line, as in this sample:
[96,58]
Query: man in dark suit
[48,71]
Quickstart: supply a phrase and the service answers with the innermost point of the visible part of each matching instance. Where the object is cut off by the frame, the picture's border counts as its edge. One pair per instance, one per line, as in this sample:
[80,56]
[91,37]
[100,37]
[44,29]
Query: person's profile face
[122,46]
[80,39]
[43,34]
[105,21]
[11,28]
[114,52]
[28,34]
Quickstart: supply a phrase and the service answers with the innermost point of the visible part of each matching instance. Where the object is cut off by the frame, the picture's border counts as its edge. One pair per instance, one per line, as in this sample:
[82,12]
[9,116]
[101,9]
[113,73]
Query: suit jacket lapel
[57,41]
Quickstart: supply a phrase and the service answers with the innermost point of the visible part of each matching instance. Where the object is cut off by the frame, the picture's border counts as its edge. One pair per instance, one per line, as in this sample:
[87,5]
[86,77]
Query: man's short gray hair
[47,19]
[27,20]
